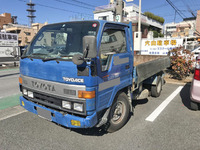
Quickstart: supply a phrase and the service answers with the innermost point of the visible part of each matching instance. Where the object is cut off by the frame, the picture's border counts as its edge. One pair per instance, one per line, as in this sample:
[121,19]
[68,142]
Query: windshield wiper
[66,55]
[22,57]
[50,58]
[30,56]
[38,54]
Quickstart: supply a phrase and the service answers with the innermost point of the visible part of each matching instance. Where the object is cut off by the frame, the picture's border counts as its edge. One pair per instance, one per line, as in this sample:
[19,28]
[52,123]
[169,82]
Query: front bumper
[57,117]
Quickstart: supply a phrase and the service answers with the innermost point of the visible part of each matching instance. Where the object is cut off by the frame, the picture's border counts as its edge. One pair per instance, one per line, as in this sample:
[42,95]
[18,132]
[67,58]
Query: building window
[18,31]
[103,18]
[172,27]
[27,33]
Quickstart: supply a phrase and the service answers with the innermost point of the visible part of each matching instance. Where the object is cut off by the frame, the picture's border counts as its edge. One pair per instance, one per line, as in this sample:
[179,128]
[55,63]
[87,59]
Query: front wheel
[119,113]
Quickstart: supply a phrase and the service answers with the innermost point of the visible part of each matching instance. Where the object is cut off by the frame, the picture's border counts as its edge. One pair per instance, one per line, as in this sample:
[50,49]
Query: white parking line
[12,115]
[162,106]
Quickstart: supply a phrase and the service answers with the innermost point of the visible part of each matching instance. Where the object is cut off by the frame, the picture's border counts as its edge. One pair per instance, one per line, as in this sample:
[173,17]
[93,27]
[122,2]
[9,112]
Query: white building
[130,13]
[186,28]
[170,28]
[105,12]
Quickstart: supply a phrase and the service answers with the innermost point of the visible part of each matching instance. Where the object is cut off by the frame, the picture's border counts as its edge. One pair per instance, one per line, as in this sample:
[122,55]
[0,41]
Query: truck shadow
[100,131]
[185,95]
[139,102]
[91,131]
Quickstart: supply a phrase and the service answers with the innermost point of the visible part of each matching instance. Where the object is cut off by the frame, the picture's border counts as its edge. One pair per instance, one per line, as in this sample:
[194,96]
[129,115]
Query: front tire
[119,113]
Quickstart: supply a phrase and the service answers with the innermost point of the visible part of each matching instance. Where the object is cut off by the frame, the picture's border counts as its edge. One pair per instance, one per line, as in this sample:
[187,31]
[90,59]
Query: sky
[53,11]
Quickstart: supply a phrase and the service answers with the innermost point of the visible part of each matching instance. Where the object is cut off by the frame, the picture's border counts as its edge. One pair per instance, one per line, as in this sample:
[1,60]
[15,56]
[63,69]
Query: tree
[155,34]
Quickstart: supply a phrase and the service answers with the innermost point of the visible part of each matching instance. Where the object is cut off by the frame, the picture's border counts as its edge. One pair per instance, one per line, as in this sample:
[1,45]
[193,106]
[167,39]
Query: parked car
[195,87]
[196,52]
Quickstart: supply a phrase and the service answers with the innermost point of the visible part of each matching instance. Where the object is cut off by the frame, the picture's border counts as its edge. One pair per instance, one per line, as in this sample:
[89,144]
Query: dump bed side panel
[148,69]
[140,59]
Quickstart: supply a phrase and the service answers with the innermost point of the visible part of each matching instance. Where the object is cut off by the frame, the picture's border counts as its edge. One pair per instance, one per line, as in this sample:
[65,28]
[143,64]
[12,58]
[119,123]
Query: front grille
[48,99]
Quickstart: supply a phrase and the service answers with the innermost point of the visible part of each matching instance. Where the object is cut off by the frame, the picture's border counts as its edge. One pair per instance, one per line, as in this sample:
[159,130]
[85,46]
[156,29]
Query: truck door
[115,64]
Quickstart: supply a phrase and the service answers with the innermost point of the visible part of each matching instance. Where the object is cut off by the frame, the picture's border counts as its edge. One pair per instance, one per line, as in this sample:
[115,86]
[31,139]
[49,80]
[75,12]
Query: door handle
[127,67]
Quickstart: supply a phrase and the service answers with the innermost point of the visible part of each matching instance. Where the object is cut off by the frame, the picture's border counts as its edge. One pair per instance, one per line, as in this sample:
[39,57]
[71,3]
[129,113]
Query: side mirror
[89,50]
[89,47]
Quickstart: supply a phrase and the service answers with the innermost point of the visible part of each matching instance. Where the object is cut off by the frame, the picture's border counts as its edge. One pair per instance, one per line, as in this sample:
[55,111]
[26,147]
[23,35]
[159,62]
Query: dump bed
[147,69]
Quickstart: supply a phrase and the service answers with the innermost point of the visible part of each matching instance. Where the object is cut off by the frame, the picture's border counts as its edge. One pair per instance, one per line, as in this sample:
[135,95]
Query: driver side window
[112,42]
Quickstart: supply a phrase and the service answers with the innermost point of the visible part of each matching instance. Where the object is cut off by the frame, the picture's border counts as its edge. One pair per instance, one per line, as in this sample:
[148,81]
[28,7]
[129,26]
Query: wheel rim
[159,86]
[118,112]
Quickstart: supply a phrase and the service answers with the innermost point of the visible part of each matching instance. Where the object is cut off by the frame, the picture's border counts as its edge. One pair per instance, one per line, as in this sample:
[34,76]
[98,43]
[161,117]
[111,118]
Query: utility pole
[175,16]
[139,26]
[139,18]
[119,11]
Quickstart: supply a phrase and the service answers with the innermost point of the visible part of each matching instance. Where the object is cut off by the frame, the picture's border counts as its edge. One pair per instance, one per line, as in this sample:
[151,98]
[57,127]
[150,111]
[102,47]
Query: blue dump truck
[82,74]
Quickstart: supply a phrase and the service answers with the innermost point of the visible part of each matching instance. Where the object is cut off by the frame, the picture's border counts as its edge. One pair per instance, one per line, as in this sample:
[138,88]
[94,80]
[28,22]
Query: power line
[73,4]
[174,7]
[83,3]
[57,8]
[188,8]
[159,6]
[156,7]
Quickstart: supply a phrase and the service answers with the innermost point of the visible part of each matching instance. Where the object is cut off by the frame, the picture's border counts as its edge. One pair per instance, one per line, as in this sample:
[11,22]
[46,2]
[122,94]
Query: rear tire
[119,113]
[156,89]
[194,106]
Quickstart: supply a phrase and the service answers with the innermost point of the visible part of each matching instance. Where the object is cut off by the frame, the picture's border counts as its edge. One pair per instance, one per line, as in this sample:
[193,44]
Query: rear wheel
[119,113]
[156,89]
[194,106]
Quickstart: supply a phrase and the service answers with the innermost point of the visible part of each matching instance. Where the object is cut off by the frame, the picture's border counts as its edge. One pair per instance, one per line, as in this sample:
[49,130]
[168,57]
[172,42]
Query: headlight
[25,92]
[78,107]
[30,94]
[66,104]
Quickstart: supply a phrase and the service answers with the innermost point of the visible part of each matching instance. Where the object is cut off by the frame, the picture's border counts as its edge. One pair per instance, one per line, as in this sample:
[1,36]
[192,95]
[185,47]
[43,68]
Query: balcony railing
[144,19]
[105,7]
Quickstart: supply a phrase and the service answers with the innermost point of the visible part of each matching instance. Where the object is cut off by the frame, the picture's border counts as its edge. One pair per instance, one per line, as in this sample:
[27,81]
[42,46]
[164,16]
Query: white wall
[109,15]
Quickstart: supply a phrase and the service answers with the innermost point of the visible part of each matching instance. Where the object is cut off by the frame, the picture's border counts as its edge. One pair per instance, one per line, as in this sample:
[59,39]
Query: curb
[177,83]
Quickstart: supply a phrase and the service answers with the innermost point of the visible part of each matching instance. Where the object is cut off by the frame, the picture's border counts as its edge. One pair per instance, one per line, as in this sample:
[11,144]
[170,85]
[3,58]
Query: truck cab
[71,72]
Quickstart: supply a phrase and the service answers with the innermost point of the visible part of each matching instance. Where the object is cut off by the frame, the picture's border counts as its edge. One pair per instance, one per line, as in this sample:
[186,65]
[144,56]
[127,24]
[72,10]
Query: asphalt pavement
[9,83]
[175,127]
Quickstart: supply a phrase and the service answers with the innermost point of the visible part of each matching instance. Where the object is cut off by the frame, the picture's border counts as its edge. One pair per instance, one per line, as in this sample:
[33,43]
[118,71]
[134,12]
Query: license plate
[43,113]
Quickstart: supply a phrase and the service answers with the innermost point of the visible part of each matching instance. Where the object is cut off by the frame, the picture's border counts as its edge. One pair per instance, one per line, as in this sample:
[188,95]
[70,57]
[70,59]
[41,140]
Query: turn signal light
[20,80]
[75,123]
[86,94]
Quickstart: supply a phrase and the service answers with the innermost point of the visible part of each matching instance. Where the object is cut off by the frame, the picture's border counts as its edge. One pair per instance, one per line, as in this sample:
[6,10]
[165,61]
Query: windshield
[60,41]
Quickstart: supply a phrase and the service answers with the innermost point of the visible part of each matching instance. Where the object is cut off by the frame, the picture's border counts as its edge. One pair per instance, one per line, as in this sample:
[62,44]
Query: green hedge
[154,17]
[157,34]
